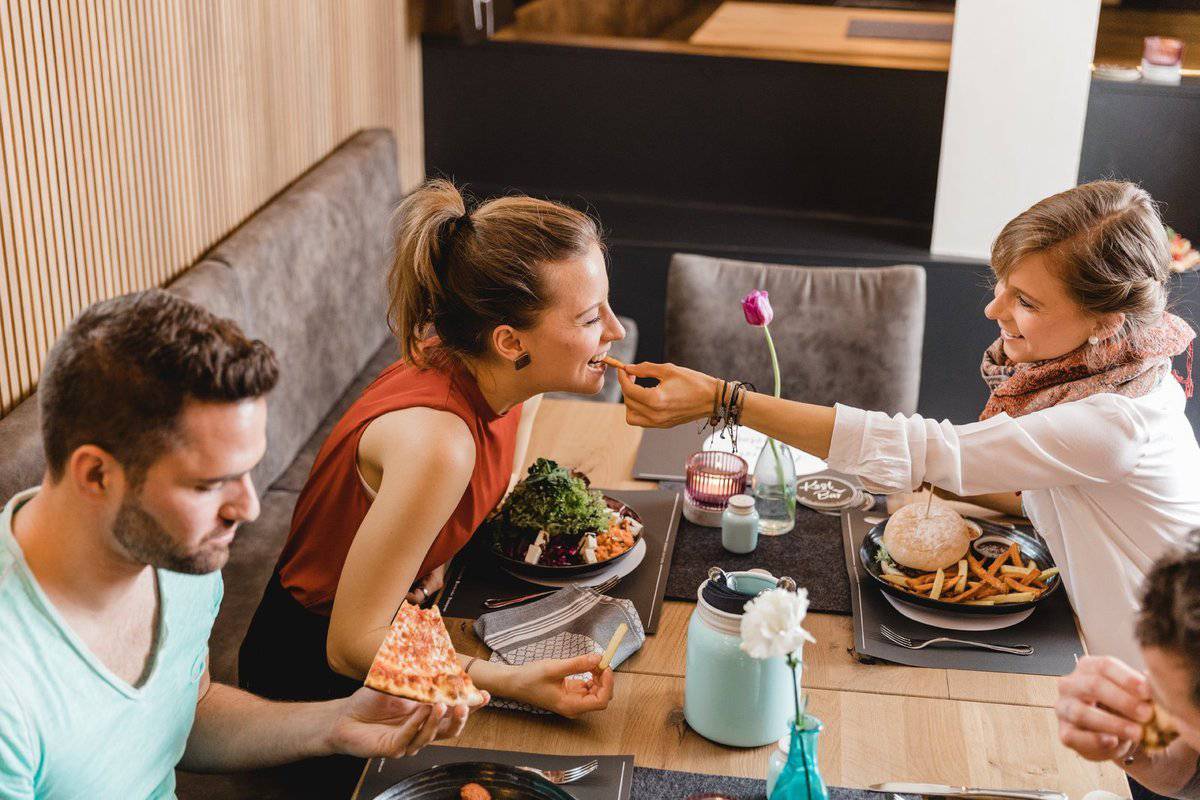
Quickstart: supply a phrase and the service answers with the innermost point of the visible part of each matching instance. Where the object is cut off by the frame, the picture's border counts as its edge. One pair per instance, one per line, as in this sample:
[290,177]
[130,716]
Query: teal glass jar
[729,697]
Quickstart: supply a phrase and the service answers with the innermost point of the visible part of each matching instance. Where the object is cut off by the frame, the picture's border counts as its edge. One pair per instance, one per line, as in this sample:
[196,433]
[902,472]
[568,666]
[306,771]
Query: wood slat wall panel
[135,134]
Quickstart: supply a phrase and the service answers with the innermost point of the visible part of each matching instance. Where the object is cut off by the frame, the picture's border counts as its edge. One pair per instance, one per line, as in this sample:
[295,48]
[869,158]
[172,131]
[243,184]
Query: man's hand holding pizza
[370,723]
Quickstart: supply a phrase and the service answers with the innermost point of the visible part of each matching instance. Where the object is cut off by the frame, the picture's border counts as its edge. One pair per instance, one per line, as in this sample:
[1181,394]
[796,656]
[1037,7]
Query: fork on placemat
[504,602]
[917,644]
[565,775]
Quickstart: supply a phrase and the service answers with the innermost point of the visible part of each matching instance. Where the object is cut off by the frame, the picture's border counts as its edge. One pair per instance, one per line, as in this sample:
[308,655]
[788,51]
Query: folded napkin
[571,622]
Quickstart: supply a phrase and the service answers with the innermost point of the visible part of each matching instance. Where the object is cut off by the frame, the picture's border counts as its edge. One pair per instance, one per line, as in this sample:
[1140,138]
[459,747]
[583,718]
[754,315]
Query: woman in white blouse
[1085,421]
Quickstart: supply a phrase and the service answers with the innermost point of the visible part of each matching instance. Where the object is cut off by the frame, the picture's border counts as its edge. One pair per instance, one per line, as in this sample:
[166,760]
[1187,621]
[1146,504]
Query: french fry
[896,580]
[984,574]
[1016,585]
[960,583]
[969,593]
[980,603]
[999,562]
[613,643]
[936,590]
[1049,573]
[1015,597]
[612,362]
[1008,569]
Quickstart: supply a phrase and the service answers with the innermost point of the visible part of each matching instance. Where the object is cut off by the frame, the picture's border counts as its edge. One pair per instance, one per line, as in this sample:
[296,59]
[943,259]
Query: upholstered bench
[306,274]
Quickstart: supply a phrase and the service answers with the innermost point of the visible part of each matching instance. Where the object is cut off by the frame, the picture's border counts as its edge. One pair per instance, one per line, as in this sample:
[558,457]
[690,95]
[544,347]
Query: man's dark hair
[119,376]
[1170,615]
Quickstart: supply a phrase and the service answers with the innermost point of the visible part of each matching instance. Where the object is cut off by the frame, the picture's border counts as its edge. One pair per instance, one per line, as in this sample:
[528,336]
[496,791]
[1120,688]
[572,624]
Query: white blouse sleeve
[1097,439]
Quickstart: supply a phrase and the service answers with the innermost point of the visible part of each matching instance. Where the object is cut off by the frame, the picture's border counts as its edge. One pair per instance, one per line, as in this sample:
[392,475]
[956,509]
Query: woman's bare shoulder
[429,433]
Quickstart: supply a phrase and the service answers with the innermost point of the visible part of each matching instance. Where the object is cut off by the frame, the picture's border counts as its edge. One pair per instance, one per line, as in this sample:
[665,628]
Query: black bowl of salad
[554,525]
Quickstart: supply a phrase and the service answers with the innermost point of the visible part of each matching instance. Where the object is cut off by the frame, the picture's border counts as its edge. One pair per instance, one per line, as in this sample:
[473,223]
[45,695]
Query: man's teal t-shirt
[70,728]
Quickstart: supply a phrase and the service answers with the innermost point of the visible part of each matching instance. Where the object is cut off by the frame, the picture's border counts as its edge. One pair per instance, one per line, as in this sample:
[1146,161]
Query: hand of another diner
[371,723]
[547,684]
[431,584]
[682,395]
[1101,708]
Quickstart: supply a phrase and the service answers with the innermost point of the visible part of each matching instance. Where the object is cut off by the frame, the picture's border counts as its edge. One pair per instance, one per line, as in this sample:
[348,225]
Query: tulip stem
[788,496]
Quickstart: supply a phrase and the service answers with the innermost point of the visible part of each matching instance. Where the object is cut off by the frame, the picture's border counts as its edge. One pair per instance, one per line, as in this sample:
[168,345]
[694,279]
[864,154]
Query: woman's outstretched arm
[1092,440]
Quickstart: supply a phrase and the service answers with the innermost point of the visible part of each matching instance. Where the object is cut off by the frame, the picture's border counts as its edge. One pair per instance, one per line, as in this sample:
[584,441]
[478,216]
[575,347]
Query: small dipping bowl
[992,546]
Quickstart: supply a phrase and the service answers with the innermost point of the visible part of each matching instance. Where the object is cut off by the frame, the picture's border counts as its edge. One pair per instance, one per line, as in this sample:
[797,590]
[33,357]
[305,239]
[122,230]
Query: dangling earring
[1093,340]
[522,361]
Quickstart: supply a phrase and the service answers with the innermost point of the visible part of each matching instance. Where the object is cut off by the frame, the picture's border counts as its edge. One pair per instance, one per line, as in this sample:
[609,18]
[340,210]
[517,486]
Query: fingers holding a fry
[1102,706]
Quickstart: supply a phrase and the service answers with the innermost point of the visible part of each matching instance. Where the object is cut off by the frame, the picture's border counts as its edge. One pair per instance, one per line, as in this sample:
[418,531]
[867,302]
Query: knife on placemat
[938,790]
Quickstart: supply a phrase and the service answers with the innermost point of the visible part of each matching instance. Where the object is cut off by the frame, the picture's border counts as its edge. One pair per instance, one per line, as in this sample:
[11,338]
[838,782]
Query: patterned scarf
[1118,368]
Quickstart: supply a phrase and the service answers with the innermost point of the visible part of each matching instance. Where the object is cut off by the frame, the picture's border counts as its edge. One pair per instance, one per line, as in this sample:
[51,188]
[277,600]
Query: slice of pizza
[417,661]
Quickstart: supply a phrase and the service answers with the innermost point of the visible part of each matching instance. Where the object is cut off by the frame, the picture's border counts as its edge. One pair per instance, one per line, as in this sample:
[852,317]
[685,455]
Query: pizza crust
[417,661]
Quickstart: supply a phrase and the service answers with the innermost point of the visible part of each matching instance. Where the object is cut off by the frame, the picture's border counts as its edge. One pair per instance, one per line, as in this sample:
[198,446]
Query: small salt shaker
[739,525]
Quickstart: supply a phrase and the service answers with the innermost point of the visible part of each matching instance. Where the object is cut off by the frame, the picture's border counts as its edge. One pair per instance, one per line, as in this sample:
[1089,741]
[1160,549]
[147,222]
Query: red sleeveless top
[334,501]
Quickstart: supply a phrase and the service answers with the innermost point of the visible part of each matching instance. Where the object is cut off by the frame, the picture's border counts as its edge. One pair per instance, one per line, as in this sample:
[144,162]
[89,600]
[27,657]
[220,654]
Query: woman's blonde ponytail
[414,287]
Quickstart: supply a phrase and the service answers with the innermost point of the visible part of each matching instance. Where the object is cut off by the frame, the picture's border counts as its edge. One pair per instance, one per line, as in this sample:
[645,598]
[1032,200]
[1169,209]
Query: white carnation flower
[773,623]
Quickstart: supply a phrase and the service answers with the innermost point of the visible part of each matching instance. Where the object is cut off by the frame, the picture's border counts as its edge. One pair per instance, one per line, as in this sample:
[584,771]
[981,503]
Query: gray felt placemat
[665,784]
[811,553]
[1050,630]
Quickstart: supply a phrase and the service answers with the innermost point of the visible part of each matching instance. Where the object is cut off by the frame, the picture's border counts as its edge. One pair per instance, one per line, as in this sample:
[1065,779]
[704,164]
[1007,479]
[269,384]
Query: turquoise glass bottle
[801,777]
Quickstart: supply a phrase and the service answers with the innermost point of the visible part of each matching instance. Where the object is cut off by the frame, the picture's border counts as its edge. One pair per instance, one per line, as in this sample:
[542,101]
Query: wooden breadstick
[612,362]
[613,643]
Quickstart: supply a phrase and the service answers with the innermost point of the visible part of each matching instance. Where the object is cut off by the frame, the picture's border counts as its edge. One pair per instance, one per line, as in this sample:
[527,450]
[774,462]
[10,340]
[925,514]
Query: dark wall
[766,161]
[1148,134]
[680,128]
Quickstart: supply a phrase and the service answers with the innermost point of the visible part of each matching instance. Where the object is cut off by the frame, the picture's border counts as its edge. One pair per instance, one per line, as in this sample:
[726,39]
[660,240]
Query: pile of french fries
[1007,579]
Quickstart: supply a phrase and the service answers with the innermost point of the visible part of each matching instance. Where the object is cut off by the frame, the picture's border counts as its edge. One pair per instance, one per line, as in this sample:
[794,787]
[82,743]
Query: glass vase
[801,777]
[775,488]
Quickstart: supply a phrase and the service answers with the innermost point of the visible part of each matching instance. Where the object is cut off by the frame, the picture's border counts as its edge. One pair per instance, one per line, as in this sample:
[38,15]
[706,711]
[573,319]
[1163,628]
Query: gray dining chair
[843,335]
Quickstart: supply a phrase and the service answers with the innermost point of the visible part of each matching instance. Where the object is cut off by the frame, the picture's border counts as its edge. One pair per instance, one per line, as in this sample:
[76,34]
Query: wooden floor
[882,722]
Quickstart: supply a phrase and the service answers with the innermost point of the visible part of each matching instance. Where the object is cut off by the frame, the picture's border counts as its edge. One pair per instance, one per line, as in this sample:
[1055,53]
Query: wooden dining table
[882,722]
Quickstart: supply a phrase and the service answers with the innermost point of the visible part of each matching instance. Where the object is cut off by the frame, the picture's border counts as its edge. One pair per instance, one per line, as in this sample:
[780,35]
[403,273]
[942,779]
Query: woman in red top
[492,307]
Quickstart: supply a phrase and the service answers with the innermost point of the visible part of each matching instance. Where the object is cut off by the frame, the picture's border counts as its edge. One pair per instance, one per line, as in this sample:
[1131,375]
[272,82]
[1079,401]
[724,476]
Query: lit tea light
[712,478]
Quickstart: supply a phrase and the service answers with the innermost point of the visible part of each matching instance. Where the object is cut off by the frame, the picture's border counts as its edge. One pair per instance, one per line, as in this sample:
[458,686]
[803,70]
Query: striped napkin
[571,622]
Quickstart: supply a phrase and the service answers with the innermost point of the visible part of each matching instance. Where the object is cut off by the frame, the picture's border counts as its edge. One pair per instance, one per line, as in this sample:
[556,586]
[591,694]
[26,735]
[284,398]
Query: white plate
[750,442]
[957,622]
[622,568]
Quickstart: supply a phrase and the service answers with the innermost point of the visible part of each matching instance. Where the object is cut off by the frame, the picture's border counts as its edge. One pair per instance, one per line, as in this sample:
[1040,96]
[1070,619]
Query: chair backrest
[843,335]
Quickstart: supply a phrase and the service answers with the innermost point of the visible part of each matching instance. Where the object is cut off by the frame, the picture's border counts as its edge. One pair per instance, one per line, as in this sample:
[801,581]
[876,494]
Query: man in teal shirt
[153,414]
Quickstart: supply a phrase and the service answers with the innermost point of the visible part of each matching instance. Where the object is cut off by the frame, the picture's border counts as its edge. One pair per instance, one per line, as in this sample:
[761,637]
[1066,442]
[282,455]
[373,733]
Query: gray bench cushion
[21,460]
[296,474]
[843,335]
[312,268]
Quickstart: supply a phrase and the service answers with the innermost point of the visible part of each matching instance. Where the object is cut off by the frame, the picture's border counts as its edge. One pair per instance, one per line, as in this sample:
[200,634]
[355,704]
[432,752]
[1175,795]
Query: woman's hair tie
[446,236]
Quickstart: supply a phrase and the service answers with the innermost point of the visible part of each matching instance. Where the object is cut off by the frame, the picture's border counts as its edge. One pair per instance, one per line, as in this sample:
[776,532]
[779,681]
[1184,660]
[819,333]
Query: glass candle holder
[712,477]
[1162,59]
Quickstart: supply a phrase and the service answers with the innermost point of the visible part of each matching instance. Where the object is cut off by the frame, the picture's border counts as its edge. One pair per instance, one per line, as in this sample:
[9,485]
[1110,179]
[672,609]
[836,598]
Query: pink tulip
[757,308]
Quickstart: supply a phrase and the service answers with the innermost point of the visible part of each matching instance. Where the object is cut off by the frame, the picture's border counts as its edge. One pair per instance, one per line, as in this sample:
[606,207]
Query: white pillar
[1016,100]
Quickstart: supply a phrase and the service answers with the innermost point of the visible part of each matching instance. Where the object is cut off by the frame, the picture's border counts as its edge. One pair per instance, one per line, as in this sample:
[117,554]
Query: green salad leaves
[552,499]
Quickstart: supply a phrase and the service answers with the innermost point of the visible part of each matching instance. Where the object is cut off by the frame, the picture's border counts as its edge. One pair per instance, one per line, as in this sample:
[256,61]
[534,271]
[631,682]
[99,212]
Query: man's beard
[147,541]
